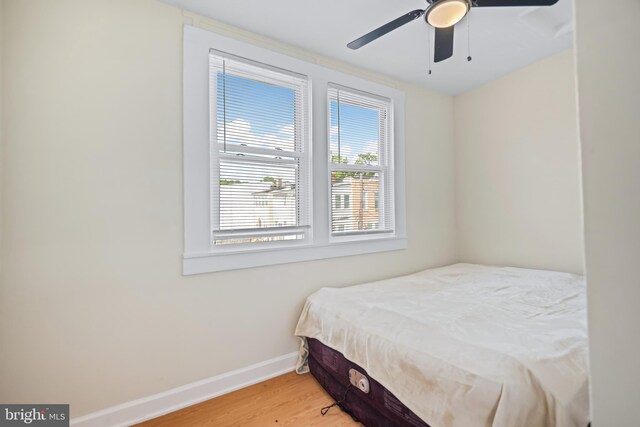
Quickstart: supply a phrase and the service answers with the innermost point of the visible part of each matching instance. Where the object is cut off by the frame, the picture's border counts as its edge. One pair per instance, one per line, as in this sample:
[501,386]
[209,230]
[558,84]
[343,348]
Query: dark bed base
[378,408]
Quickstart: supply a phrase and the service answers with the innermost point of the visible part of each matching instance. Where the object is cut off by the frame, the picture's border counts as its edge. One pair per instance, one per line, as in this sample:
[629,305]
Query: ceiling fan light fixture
[445,13]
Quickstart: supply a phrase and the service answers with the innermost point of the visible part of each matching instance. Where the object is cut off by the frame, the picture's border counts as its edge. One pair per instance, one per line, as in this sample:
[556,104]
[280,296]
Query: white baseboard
[180,397]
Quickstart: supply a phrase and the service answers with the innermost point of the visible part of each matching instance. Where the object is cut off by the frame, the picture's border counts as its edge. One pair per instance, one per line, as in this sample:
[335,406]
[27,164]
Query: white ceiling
[502,39]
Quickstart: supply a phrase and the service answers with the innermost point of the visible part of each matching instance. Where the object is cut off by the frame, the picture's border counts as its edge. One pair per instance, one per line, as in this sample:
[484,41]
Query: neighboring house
[355,204]
[258,205]
[273,204]
[276,206]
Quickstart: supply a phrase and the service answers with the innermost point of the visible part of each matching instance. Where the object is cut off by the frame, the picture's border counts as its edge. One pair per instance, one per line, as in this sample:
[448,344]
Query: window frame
[217,157]
[385,169]
[198,256]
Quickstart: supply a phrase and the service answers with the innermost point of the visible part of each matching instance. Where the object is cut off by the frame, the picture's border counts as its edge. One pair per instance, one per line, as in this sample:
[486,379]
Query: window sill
[210,262]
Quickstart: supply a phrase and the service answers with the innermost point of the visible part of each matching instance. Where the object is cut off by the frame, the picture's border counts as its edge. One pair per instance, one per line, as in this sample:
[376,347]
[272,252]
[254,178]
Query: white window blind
[259,152]
[360,163]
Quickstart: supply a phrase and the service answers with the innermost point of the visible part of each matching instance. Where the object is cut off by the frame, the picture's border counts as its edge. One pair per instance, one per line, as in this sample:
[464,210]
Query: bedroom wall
[609,104]
[1,128]
[517,169]
[94,309]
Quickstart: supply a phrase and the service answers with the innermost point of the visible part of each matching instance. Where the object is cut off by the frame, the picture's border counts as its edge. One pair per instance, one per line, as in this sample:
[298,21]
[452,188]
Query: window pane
[355,132]
[360,213]
[254,195]
[257,114]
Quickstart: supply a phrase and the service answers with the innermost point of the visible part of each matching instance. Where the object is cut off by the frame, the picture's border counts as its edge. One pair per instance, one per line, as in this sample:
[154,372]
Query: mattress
[378,407]
[464,345]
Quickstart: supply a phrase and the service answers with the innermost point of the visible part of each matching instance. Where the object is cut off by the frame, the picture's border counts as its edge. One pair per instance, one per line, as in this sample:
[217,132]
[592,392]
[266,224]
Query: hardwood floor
[288,400]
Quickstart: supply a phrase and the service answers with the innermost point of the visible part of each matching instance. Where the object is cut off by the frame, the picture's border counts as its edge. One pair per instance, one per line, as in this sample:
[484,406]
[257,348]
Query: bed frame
[377,408]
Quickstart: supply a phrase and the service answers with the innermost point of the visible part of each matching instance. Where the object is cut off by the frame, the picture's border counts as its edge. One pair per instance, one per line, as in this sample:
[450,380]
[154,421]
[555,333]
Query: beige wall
[517,169]
[94,309]
[609,103]
[1,127]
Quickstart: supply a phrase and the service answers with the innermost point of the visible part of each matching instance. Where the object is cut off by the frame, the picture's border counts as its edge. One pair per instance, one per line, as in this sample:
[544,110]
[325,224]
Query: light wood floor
[288,400]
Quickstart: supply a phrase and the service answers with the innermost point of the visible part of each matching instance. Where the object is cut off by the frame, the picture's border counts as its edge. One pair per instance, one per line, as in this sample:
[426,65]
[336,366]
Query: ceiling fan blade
[443,44]
[511,3]
[386,28]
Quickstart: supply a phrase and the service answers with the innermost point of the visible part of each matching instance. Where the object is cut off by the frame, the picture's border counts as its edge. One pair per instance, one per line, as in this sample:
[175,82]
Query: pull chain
[429,48]
[469,37]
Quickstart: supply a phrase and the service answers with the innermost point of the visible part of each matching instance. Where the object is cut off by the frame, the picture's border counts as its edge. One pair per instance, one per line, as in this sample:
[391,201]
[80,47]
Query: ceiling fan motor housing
[446,13]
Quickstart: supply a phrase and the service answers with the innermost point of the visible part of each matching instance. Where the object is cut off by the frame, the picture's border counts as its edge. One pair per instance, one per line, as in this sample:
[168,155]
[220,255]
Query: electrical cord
[324,410]
[339,403]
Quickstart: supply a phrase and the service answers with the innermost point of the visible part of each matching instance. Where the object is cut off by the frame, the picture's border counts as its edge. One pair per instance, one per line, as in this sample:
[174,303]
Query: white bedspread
[465,345]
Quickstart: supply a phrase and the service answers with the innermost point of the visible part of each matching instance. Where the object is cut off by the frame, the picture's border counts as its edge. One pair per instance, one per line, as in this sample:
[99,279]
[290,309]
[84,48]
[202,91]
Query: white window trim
[198,256]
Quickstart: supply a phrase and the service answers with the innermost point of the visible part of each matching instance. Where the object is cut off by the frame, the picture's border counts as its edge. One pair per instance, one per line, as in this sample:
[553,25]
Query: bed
[458,346]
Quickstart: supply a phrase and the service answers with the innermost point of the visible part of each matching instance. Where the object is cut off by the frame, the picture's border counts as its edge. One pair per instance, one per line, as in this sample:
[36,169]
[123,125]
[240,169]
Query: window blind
[360,163]
[259,161]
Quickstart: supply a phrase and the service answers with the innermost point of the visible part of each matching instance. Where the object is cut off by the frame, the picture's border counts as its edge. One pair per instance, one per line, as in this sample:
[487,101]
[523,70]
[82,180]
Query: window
[336,201]
[259,152]
[360,154]
[270,176]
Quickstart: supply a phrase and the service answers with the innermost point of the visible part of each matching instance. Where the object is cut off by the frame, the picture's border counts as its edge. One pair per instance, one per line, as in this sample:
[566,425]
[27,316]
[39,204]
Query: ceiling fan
[443,15]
